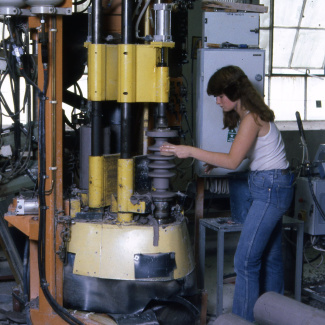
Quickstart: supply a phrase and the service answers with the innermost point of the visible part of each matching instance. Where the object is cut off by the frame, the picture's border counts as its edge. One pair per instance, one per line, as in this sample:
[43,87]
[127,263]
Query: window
[293,36]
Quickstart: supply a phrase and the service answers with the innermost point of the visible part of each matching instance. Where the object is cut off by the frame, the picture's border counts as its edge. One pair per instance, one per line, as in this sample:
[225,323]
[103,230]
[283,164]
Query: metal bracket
[50,10]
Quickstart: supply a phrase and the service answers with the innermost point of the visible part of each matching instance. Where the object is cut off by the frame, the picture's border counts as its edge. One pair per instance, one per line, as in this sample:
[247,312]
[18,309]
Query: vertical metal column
[97,114]
[126,107]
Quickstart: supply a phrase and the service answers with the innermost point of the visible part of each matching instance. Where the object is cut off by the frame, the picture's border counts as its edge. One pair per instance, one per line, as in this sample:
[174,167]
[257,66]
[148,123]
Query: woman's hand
[208,168]
[178,151]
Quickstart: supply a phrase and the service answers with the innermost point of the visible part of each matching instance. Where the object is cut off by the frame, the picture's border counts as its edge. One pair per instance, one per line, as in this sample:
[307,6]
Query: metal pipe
[127,37]
[35,91]
[147,32]
[126,131]
[146,105]
[272,308]
[97,22]
[126,107]
[97,114]
[97,129]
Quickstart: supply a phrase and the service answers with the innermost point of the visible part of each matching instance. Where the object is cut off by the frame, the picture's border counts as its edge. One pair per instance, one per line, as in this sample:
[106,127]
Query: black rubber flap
[154,265]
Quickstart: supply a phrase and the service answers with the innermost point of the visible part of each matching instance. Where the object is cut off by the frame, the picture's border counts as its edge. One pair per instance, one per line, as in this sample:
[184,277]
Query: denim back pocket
[259,185]
[284,192]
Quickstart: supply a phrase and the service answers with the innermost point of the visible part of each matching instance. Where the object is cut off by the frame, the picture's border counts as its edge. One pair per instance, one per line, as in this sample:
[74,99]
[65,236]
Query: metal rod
[127,36]
[35,91]
[126,131]
[97,22]
[97,114]
[97,129]
[126,107]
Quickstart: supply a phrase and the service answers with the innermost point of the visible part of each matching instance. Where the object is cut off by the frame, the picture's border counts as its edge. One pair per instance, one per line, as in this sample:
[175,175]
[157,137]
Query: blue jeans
[258,259]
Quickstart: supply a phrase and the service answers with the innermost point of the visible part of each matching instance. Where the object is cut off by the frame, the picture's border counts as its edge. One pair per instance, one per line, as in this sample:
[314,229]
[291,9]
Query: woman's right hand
[179,151]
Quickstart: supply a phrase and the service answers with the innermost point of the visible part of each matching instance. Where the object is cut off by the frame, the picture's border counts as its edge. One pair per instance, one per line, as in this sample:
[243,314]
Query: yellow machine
[110,238]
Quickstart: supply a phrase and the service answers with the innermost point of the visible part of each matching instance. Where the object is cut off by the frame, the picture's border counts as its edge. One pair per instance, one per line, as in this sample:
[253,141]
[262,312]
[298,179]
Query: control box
[232,27]
[210,134]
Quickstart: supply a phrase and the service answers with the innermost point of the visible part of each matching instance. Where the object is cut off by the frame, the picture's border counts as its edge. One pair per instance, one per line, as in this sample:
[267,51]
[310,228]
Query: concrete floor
[313,273]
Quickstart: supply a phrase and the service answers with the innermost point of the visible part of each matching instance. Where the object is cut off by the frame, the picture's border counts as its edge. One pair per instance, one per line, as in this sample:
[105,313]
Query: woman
[258,259]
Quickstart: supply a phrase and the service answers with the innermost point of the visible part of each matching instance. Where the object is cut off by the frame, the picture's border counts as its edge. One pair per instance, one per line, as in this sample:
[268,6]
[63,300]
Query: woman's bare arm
[245,138]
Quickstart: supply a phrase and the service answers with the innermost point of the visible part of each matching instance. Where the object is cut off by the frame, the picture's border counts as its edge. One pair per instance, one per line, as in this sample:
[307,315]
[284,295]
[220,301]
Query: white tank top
[268,152]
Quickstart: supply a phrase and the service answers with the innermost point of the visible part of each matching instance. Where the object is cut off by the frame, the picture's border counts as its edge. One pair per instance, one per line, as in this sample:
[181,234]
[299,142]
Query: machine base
[119,296]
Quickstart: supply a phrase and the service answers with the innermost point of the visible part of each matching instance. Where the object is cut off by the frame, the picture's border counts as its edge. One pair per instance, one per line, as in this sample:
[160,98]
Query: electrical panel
[305,204]
[232,27]
[210,134]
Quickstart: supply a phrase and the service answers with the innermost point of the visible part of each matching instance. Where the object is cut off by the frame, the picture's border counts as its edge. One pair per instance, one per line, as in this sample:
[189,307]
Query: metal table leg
[220,258]
[299,260]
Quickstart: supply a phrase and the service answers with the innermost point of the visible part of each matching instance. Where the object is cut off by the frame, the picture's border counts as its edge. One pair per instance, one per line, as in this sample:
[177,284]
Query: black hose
[62,312]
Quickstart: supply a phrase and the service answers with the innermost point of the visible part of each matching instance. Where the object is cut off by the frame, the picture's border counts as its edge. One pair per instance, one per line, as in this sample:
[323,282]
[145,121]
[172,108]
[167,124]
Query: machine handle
[300,127]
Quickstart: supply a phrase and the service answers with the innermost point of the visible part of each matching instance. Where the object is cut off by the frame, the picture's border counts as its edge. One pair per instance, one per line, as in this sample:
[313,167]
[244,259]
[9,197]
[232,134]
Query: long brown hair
[233,82]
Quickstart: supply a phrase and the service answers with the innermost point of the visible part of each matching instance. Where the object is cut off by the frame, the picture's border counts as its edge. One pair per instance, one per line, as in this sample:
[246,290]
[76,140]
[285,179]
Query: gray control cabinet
[209,116]
[232,27]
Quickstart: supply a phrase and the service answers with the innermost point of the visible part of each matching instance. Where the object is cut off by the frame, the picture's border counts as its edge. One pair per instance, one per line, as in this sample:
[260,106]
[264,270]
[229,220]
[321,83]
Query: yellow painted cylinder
[96,181]
[124,188]
[127,73]
[96,72]
[162,85]
[111,72]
